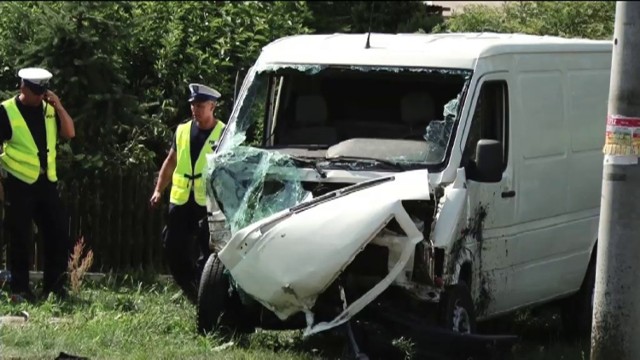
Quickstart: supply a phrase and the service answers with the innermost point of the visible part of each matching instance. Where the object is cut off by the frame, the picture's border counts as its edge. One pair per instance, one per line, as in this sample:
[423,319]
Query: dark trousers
[40,203]
[186,244]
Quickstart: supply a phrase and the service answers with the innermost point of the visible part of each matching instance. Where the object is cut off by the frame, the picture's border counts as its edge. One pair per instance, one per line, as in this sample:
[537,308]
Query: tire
[217,309]
[456,312]
[577,310]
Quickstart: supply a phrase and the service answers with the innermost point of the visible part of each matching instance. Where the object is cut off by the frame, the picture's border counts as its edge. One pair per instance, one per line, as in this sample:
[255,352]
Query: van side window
[490,119]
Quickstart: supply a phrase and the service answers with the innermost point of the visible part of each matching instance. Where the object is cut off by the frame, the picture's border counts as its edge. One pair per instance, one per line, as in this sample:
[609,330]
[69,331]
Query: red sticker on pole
[622,136]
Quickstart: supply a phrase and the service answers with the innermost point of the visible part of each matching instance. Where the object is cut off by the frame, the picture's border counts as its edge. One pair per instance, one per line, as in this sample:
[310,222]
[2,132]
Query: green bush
[579,19]
[122,68]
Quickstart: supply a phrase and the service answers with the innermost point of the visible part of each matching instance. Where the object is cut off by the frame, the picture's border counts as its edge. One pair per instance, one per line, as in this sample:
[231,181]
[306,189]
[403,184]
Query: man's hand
[67,129]
[164,178]
[52,98]
[155,199]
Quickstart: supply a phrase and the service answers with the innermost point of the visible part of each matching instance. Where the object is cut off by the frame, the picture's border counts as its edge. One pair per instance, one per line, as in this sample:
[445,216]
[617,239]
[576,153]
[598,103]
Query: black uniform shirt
[198,139]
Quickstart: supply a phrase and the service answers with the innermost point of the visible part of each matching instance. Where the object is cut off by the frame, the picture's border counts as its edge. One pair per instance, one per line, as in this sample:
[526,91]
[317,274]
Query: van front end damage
[294,243]
[340,257]
[287,260]
[318,233]
[313,231]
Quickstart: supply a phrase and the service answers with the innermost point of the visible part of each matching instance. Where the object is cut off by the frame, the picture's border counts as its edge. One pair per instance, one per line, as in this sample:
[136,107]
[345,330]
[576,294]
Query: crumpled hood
[285,261]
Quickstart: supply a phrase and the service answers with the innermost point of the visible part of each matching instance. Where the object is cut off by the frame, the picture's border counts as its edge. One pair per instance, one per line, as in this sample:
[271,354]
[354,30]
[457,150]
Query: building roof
[457,7]
[453,50]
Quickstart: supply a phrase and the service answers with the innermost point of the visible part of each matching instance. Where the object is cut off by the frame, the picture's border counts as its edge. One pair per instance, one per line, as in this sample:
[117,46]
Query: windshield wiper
[310,161]
[364,158]
[315,162]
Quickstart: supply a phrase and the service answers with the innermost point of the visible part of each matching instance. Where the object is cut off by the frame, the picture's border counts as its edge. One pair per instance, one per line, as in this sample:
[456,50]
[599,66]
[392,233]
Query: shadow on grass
[541,335]
[285,341]
[112,292]
[540,332]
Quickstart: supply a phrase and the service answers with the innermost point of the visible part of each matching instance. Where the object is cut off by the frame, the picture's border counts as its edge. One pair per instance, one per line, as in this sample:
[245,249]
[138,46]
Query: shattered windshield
[313,110]
[318,117]
[251,184]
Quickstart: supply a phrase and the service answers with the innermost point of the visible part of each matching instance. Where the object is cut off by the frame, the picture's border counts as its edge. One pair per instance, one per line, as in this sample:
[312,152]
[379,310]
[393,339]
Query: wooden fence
[111,211]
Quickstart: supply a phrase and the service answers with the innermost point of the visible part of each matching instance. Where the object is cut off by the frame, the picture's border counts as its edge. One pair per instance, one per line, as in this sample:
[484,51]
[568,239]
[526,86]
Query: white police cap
[36,79]
[201,92]
[37,76]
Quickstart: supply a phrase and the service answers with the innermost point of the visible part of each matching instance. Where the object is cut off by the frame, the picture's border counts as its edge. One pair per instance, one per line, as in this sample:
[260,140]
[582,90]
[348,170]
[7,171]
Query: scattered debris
[224,346]
[12,320]
[65,356]
[56,320]
[20,298]
[5,277]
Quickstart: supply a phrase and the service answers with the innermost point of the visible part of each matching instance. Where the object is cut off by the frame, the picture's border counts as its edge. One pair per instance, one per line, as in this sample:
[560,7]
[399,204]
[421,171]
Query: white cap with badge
[201,92]
[36,79]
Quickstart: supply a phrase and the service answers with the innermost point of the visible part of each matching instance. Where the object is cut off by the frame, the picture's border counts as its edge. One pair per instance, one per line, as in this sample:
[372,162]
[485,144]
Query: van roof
[451,50]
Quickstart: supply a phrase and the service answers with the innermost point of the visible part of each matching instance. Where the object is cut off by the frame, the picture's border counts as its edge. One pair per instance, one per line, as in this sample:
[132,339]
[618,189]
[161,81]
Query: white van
[455,172]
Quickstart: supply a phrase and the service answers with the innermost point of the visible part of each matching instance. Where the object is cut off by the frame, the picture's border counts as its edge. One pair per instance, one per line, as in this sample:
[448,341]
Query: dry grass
[79,264]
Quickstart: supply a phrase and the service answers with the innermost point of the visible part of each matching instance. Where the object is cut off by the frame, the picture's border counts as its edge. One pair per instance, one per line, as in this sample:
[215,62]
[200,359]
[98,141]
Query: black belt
[192,177]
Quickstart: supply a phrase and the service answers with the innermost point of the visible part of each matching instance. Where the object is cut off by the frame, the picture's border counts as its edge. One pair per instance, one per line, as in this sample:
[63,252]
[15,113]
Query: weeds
[79,264]
[128,318]
[130,321]
[406,346]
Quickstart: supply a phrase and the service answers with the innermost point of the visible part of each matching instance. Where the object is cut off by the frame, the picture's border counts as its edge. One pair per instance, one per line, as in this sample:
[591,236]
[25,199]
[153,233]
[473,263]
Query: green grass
[541,335]
[109,321]
[127,319]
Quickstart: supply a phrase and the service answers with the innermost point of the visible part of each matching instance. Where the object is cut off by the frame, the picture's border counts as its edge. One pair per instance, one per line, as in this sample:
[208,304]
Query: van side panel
[543,174]
[586,117]
[562,104]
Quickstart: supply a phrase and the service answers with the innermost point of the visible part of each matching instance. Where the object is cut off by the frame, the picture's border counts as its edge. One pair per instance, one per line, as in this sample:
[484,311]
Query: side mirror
[488,161]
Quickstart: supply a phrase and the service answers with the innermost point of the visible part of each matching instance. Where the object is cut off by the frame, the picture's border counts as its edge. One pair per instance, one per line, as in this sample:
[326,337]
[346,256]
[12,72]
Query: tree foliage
[580,19]
[122,68]
[383,16]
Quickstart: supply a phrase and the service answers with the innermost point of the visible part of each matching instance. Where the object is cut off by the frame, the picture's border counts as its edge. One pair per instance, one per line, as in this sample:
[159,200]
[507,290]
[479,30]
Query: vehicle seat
[417,110]
[310,123]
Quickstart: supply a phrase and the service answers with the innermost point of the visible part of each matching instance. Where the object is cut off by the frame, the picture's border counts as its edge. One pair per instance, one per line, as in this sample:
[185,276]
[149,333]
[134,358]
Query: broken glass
[247,110]
[439,131]
[309,69]
[395,69]
[251,184]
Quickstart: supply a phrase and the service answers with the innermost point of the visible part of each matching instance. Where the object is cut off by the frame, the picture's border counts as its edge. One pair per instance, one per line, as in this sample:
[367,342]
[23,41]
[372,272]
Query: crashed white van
[454,172]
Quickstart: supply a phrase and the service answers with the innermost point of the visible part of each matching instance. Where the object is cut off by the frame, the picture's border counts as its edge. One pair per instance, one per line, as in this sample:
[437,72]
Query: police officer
[30,124]
[183,167]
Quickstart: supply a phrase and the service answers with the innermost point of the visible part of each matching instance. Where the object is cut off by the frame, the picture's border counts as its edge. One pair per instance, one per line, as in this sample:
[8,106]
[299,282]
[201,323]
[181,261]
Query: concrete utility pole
[615,332]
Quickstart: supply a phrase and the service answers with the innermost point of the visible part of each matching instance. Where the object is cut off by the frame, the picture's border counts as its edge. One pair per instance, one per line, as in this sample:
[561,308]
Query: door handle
[508,194]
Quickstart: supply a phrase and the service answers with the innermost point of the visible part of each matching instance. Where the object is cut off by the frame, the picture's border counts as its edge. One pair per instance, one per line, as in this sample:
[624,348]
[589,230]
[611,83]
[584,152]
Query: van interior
[336,104]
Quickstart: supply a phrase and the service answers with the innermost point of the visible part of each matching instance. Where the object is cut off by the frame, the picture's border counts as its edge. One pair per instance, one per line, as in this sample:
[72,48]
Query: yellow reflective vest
[185,178]
[20,154]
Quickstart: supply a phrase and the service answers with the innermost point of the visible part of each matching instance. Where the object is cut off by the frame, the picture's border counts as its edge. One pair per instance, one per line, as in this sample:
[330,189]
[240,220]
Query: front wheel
[456,309]
[219,307]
